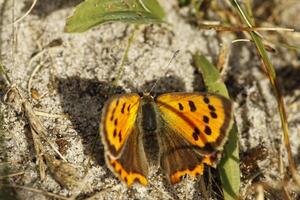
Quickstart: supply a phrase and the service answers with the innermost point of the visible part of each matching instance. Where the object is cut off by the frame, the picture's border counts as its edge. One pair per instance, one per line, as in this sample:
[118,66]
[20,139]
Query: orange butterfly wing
[121,137]
[202,119]
[195,127]
[118,119]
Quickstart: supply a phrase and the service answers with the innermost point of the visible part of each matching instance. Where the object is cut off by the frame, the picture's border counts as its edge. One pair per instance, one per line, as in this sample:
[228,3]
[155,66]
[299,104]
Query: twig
[11,175]
[44,114]
[9,162]
[218,27]
[62,171]
[35,69]
[241,40]
[260,192]
[27,13]
[223,61]
[38,67]
[14,95]
[267,46]
[38,150]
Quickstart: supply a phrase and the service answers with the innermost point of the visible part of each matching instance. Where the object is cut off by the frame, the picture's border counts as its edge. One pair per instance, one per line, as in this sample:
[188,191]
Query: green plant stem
[125,55]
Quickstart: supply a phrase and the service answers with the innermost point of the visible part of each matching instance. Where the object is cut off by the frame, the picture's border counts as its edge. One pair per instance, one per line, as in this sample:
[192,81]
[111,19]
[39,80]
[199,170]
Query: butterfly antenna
[167,66]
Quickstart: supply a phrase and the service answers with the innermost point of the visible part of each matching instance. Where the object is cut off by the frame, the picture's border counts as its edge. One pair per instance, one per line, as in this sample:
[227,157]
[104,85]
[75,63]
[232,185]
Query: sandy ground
[76,79]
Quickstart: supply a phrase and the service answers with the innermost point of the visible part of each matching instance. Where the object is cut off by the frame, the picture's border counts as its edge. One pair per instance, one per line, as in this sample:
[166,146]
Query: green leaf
[182,3]
[211,76]
[94,12]
[229,165]
[154,8]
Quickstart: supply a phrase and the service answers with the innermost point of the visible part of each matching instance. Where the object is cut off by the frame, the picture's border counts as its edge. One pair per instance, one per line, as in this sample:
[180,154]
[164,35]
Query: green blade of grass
[269,69]
[94,12]
[229,165]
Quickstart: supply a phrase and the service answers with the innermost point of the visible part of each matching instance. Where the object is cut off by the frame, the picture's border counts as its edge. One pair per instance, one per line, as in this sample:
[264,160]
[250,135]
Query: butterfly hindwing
[121,137]
[178,157]
[202,119]
[131,166]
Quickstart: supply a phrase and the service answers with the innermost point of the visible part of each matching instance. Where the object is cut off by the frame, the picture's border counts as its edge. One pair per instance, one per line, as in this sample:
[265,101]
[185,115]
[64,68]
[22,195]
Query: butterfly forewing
[118,120]
[200,118]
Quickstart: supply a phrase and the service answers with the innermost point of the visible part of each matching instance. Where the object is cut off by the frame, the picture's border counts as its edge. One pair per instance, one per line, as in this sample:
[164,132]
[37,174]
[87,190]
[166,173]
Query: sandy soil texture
[75,78]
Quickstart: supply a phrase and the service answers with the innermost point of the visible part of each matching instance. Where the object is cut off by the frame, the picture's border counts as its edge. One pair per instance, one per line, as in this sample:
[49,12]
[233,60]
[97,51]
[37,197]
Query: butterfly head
[146,96]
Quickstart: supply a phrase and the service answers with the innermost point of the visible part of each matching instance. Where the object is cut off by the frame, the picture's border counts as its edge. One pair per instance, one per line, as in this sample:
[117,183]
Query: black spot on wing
[206,100]
[207,130]
[196,133]
[120,136]
[211,108]
[123,108]
[114,110]
[213,115]
[206,119]
[195,136]
[192,106]
[113,114]
[128,108]
[196,130]
[180,106]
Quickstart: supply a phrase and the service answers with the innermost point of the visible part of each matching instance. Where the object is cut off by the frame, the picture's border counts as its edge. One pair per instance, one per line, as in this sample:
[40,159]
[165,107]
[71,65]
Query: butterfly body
[191,129]
[149,113]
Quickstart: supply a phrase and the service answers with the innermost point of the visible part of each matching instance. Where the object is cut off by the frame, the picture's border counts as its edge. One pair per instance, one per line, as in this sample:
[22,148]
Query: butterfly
[191,130]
